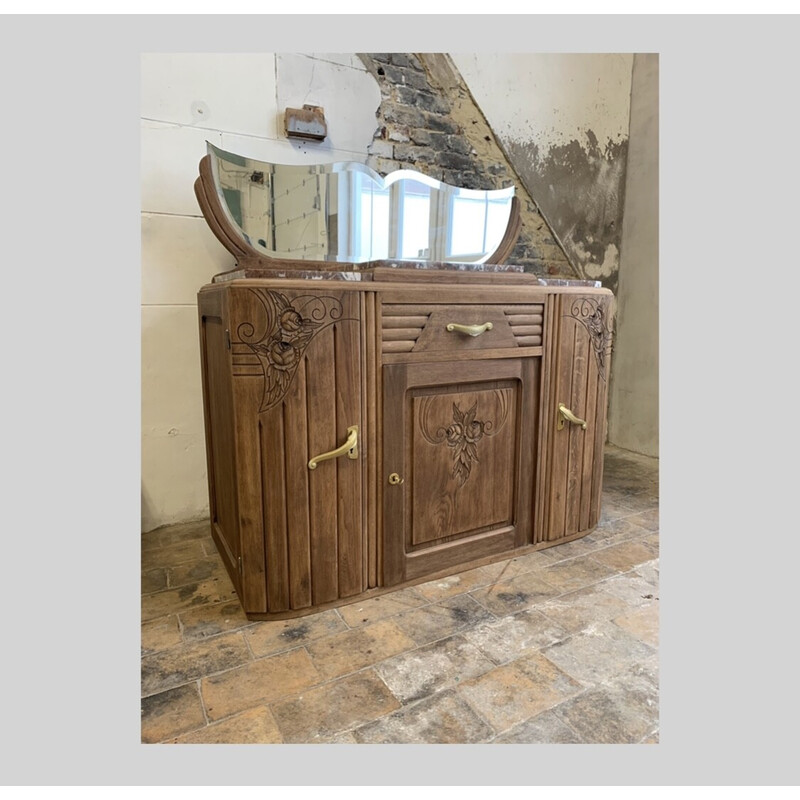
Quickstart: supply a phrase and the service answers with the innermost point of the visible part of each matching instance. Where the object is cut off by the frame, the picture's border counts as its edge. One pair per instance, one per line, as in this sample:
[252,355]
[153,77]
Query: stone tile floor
[557,646]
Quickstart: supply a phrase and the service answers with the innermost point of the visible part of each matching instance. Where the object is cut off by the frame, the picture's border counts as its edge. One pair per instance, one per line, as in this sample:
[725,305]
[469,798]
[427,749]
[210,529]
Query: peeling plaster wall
[563,121]
[236,101]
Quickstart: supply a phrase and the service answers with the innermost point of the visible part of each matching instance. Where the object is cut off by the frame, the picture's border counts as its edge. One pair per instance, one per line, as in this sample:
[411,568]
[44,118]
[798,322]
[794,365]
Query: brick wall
[428,121]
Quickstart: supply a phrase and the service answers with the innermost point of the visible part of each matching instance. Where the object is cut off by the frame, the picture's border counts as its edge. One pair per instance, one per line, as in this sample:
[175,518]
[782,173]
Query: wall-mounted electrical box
[307,122]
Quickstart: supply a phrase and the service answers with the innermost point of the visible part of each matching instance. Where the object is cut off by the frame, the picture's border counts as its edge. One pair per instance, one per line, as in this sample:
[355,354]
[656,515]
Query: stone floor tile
[443,718]
[345,737]
[258,682]
[197,571]
[607,716]
[561,552]
[640,679]
[647,519]
[332,708]
[530,562]
[432,668]
[172,555]
[607,621]
[575,573]
[510,637]
[637,588]
[183,663]
[624,556]
[652,541]
[437,621]
[575,611]
[254,726]
[212,619]
[551,681]
[173,601]
[615,507]
[615,531]
[355,649]
[386,605]
[649,573]
[517,594]
[272,636]
[545,728]
[598,653]
[452,585]
[154,580]
[171,713]
[641,623]
[498,572]
[511,694]
[160,634]
[175,534]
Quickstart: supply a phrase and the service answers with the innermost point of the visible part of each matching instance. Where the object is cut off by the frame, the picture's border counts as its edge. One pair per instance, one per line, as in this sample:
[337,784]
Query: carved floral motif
[464,433]
[281,343]
[592,314]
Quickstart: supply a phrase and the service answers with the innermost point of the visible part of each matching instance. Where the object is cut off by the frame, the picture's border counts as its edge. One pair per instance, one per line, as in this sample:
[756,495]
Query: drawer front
[421,328]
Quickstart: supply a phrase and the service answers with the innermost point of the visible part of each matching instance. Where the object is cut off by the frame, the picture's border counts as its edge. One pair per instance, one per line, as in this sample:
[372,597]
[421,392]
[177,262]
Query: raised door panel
[578,366]
[296,364]
[461,439]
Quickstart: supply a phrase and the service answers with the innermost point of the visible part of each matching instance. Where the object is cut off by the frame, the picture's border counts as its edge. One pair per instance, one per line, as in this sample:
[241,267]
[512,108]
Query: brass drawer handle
[349,448]
[470,330]
[565,413]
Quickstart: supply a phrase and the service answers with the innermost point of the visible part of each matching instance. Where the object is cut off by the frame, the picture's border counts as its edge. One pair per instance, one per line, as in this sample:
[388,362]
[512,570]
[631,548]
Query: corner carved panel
[464,432]
[594,316]
[280,338]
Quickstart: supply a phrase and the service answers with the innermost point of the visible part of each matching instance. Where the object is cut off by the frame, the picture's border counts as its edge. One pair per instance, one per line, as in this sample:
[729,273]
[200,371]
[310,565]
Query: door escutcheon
[395,479]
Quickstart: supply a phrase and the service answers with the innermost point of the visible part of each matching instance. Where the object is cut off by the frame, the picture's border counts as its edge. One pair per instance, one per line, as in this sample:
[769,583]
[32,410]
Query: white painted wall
[235,101]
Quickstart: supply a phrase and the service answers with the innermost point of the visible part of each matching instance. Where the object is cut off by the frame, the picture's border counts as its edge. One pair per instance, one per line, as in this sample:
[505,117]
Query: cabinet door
[296,364]
[459,437]
[578,360]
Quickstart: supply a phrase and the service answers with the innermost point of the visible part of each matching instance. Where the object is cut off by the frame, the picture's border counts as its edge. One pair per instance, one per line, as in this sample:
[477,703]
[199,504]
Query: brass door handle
[565,413]
[349,448]
[470,330]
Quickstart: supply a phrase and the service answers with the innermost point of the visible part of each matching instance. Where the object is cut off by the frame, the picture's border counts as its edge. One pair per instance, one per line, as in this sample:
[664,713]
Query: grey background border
[71,320]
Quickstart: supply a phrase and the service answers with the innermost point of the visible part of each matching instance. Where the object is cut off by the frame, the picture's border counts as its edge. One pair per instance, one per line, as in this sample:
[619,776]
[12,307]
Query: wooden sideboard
[373,429]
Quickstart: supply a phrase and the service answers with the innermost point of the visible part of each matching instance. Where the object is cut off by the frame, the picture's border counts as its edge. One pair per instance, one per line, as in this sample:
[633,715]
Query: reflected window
[346,212]
[412,212]
[373,225]
[476,223]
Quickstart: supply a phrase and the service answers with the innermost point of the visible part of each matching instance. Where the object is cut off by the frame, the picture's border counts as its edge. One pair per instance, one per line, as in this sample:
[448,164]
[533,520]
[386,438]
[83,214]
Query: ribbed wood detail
[526,323]
[401,326]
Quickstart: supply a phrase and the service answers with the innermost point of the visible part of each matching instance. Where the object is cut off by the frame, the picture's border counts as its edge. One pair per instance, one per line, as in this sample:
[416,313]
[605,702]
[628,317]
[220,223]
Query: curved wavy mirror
[346,212]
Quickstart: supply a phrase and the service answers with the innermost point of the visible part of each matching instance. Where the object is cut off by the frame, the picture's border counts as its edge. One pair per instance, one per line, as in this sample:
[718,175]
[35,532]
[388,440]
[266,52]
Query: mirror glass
[345,211]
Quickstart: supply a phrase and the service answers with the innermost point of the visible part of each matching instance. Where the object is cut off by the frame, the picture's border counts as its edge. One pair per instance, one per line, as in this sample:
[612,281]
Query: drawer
[429,328]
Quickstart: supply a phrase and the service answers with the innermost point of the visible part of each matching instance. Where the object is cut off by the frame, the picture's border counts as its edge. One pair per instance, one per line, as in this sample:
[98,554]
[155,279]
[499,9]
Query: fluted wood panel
[297,363]
[582,341]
